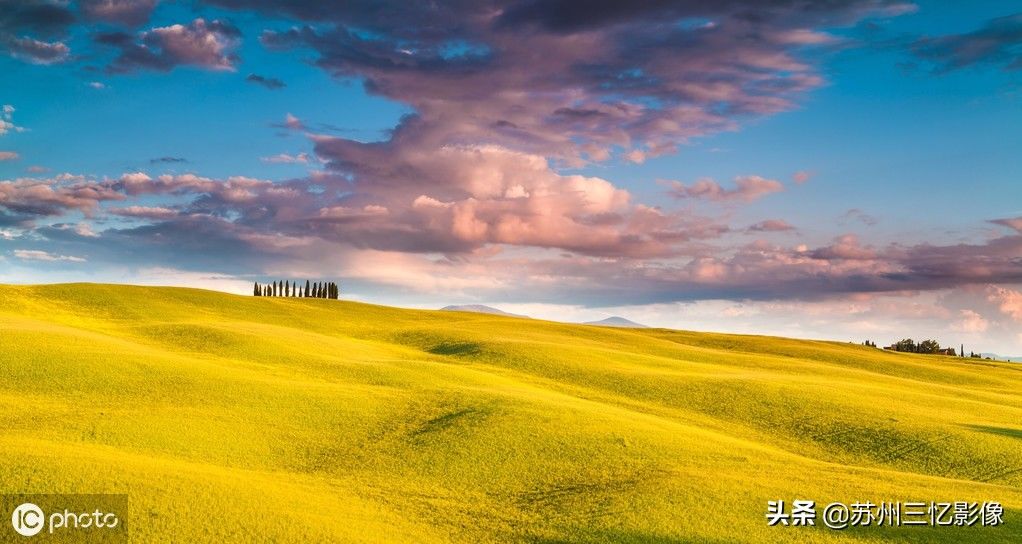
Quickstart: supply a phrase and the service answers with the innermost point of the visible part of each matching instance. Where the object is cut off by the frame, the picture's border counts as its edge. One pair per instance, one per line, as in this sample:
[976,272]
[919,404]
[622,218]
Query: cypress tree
[287,289]
[255,289]
[306,293]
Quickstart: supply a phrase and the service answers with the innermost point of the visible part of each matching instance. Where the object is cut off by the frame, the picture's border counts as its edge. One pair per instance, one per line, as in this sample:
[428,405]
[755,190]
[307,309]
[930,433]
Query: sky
[847,170]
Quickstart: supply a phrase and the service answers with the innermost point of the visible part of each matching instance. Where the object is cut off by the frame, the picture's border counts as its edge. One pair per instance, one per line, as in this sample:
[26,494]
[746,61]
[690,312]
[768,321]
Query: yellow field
[291,420]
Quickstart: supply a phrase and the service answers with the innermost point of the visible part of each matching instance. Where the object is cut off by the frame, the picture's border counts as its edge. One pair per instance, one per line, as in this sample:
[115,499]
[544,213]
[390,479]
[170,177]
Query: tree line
[908,345]
[293,289]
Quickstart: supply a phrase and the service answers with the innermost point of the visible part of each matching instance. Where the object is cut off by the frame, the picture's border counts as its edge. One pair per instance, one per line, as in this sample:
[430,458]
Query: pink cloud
[200,43]
[144,212]
[747,189]
[1012,223]
[284,158]
[1008,301]
[55,196]
[801,176]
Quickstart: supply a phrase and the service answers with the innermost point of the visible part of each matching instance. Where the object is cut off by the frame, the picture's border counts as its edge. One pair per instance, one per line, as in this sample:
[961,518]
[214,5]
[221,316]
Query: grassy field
[290,420]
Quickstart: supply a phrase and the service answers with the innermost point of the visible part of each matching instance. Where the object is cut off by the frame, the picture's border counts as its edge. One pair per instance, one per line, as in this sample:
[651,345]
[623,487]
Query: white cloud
[39,255]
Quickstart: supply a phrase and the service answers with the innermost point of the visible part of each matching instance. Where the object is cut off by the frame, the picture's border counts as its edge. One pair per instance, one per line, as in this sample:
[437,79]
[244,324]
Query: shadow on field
[1002,431]
[456,348]
[448,420]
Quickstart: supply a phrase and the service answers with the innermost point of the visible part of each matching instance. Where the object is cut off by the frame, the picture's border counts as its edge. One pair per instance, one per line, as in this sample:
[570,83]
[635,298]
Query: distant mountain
[616,321]
[479,309]
[997,357]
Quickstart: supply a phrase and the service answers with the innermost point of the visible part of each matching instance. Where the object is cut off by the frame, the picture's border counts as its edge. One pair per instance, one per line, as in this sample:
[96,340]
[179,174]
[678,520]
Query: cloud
[38,52]
[772,225]
[28,29]
[52,197]
[970,321]
[747,189]
[284,158]
[1012,223]
[97,85]
[507,74]
[268,82]
[801,176]
[463,198]
[1008,301]
[201,44]
[144,212]
[7,120]
[996,43]
[291,123]
[168,160]
[857,215]
[845,247]
[39,255]
[125,12]
[8,156]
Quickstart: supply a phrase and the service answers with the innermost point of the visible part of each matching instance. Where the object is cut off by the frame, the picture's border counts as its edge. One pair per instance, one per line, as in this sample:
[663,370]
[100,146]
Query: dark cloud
[771,225]
[28,29]
[204,44]
[857,215]
[997,43]
[268,82]
[36,17]
[125,12]
[167,160]
[626,78]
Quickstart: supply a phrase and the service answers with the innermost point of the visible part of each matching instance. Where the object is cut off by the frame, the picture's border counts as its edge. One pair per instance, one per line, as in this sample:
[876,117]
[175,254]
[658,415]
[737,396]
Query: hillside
[479,309]
[615,321]
[303,420]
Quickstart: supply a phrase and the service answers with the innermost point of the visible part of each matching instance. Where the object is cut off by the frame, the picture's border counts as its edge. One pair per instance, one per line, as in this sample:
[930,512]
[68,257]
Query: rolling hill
[479,309]
[300,420]
[616,321]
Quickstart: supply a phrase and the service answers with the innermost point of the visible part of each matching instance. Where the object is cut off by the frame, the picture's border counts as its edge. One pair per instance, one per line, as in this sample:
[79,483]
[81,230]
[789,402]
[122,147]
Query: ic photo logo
[28,519]
[67,518]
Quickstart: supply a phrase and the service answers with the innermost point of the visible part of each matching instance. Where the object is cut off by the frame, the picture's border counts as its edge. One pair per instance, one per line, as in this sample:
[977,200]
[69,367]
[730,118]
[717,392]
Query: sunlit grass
[269,419]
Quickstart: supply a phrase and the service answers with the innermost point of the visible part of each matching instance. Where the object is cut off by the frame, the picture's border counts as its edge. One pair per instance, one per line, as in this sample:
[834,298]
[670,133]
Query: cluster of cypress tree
[292,289]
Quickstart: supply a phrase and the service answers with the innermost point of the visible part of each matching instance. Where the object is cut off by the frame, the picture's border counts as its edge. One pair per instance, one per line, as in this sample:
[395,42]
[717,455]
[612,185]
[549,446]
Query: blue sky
[564,162]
